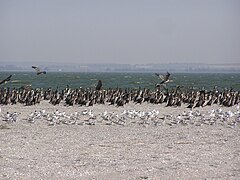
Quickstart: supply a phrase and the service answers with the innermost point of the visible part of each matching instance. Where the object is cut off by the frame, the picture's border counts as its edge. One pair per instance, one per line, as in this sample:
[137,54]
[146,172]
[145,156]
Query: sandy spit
[133,151]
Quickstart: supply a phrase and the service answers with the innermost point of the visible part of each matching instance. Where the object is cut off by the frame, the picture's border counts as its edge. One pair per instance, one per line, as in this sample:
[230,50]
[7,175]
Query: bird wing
[167,75]
[160,76]
[6,79]
[36,68]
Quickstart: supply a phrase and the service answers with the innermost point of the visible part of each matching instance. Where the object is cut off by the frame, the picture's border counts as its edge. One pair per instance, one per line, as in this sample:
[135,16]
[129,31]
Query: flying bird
[165,78]
[38,70]
[99,85]
[6,80]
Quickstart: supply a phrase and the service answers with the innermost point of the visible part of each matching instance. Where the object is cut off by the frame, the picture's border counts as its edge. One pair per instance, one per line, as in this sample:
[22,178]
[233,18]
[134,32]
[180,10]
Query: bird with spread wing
[6,79]
[165,79]
[38,70]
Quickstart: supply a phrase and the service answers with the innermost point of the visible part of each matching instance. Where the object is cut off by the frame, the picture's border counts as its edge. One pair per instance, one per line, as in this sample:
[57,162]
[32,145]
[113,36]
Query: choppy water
[120,80]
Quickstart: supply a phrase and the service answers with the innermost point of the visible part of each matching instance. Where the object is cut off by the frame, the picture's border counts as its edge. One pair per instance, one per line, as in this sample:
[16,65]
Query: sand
[131,151]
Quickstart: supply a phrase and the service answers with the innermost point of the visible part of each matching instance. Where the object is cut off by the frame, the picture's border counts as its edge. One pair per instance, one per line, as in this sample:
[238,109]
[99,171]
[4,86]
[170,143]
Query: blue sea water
[119,80]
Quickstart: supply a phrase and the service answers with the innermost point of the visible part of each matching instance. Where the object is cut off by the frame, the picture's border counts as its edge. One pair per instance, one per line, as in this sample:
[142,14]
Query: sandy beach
[163,146]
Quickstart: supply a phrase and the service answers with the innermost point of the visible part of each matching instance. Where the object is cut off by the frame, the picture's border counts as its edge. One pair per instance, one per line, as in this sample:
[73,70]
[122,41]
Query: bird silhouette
[165,79]
[38,70]
[6,79]
[99,85]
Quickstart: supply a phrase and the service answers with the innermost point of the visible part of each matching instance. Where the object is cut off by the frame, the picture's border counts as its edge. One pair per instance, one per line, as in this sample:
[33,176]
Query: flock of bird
[131,117]
[177,96]
[87,97]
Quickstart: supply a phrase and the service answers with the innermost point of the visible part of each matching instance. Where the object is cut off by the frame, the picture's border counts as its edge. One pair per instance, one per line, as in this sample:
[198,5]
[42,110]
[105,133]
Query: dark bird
[165,79]
[38,70]
[99,85]
[6,80]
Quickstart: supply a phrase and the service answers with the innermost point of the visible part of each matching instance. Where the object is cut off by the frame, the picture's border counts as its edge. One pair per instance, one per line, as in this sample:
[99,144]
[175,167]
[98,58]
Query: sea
[60,80]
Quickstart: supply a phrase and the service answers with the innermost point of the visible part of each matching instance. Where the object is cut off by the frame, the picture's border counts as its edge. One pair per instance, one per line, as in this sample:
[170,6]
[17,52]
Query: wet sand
[101,151]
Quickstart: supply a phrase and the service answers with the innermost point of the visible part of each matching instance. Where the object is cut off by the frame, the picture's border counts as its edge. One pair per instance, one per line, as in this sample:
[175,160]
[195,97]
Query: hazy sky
[120,31]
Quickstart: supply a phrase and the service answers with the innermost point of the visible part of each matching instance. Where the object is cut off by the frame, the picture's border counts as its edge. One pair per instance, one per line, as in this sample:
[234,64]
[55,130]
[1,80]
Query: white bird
[43,111]
[230,114]
[85,112]
[219,110]
[179,117]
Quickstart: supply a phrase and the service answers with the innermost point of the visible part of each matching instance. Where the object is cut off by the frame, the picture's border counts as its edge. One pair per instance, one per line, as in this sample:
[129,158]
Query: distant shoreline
[125,68]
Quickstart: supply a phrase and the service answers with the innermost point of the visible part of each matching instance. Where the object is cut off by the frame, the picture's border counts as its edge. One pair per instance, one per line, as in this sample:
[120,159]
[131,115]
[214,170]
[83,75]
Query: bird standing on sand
[38,70]
[99,85]
[165,79]
[6,80]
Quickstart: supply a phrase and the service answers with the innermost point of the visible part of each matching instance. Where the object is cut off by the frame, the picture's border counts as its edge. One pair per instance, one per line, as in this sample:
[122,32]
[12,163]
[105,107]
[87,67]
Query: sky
[120,31]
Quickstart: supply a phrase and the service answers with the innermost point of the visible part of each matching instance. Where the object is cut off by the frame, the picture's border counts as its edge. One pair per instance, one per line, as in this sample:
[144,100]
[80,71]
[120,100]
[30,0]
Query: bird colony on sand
[130,117]
[88,97]
[177,96]
[119,97]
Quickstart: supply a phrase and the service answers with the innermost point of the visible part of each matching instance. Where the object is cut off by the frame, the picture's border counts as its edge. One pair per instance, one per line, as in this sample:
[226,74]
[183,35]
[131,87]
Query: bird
[6,80]
[99,85]
[165,79]
[38,70]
